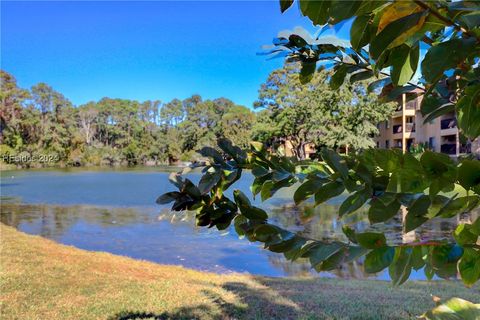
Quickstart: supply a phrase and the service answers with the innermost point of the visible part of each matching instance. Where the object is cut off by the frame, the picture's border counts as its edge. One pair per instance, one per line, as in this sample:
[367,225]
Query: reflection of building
[406,128]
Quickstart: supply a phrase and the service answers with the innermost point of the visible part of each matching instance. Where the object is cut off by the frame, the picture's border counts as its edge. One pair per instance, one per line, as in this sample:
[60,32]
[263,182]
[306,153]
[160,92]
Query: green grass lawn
[41,279]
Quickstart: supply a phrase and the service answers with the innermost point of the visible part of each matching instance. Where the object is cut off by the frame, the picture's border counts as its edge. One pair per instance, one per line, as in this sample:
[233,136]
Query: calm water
[115,211]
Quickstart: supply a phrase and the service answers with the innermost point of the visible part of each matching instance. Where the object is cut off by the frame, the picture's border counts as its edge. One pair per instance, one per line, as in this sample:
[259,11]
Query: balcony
[448,148]
[411,105]
[397,129]
[446,124]
[409,127]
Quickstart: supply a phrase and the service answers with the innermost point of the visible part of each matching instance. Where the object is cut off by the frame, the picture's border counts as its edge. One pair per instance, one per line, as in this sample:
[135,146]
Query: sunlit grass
[41,279]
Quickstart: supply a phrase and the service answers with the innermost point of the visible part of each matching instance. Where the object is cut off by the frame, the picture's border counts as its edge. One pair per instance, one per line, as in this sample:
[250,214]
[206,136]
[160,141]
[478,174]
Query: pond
[114,210]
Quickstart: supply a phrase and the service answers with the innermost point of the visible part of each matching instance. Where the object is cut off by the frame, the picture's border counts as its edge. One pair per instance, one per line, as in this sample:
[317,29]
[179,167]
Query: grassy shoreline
[41,279]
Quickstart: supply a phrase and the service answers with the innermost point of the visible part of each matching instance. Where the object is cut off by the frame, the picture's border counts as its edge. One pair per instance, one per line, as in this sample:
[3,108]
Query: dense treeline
[41,127]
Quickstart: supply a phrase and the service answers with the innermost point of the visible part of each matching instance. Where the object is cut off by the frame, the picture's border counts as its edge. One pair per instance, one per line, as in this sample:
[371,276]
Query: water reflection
[114,218]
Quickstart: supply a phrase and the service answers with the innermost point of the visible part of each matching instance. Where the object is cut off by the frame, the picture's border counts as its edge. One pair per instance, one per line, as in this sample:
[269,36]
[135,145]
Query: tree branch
[445,19]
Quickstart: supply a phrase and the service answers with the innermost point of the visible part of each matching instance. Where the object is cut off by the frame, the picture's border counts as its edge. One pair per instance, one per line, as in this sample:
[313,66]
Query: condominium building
[406,129]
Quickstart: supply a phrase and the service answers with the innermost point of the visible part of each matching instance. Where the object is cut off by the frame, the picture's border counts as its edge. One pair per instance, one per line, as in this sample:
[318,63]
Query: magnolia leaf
[285,4]
[395,33]
[401,267]
[379,259]
[307,71]
[469,266]
[446,55]
[404,63]
[317,11]
[328,191]
[379,212]
[371,240]
[339,76]
[168,197]
[468,112]
[360,32]
[354,202]
[469,174]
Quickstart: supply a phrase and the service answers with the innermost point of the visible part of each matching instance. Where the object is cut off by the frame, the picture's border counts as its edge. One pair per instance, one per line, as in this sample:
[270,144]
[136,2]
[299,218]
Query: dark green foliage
[41,121]
[368,177]
[385,41]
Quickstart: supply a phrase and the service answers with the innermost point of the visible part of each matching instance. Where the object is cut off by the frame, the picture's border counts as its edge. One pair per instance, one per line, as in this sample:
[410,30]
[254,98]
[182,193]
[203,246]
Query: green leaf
[379,212]
[240,223]
[445,259]
[469,266]
[371,240]
[456,206]
[378,84]
[343,255]
[254,213]
[440,111]
[264,232]
[285,4]
[417,212]
[339,76]
[393,31]
[362,75]
[335,161]
[343,9]
[317,11]
[464,234]
[211,153]
[360,32]
[241,199]
[401,266]
[321,252]
[307,189]
[350,233]
[438,164]
[328,191]
[446,55]
[417,258]
[468,112]
[469,174]
[307,71]
[354,202]
[379,259]
[454,309]
[208,181]
[168,197]
[404,63]
[233,151]
[266,191]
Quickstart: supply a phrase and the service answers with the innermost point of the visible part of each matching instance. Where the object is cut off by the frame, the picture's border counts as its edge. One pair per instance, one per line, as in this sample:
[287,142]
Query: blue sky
[144,50]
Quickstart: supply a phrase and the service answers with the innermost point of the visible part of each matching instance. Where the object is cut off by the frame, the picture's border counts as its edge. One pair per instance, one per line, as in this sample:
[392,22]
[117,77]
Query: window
[378,144]
[409,119]
[387,144]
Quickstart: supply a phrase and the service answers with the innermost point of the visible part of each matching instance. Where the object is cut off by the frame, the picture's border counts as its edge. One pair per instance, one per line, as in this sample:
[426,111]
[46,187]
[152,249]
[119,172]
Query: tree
[386,39]
[88,121]
[315,113]
[12,101]
[236,125]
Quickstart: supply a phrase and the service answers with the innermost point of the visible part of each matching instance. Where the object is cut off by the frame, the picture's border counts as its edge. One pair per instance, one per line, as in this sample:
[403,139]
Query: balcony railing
[448,148]
[397,129]
[409,127]
[411,105]
[448,123]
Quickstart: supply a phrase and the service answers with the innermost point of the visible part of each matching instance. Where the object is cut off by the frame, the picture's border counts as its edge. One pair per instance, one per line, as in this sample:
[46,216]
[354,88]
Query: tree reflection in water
[319,222]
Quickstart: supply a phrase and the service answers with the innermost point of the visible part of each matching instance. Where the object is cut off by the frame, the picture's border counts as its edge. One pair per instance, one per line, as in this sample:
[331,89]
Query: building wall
[441,134]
